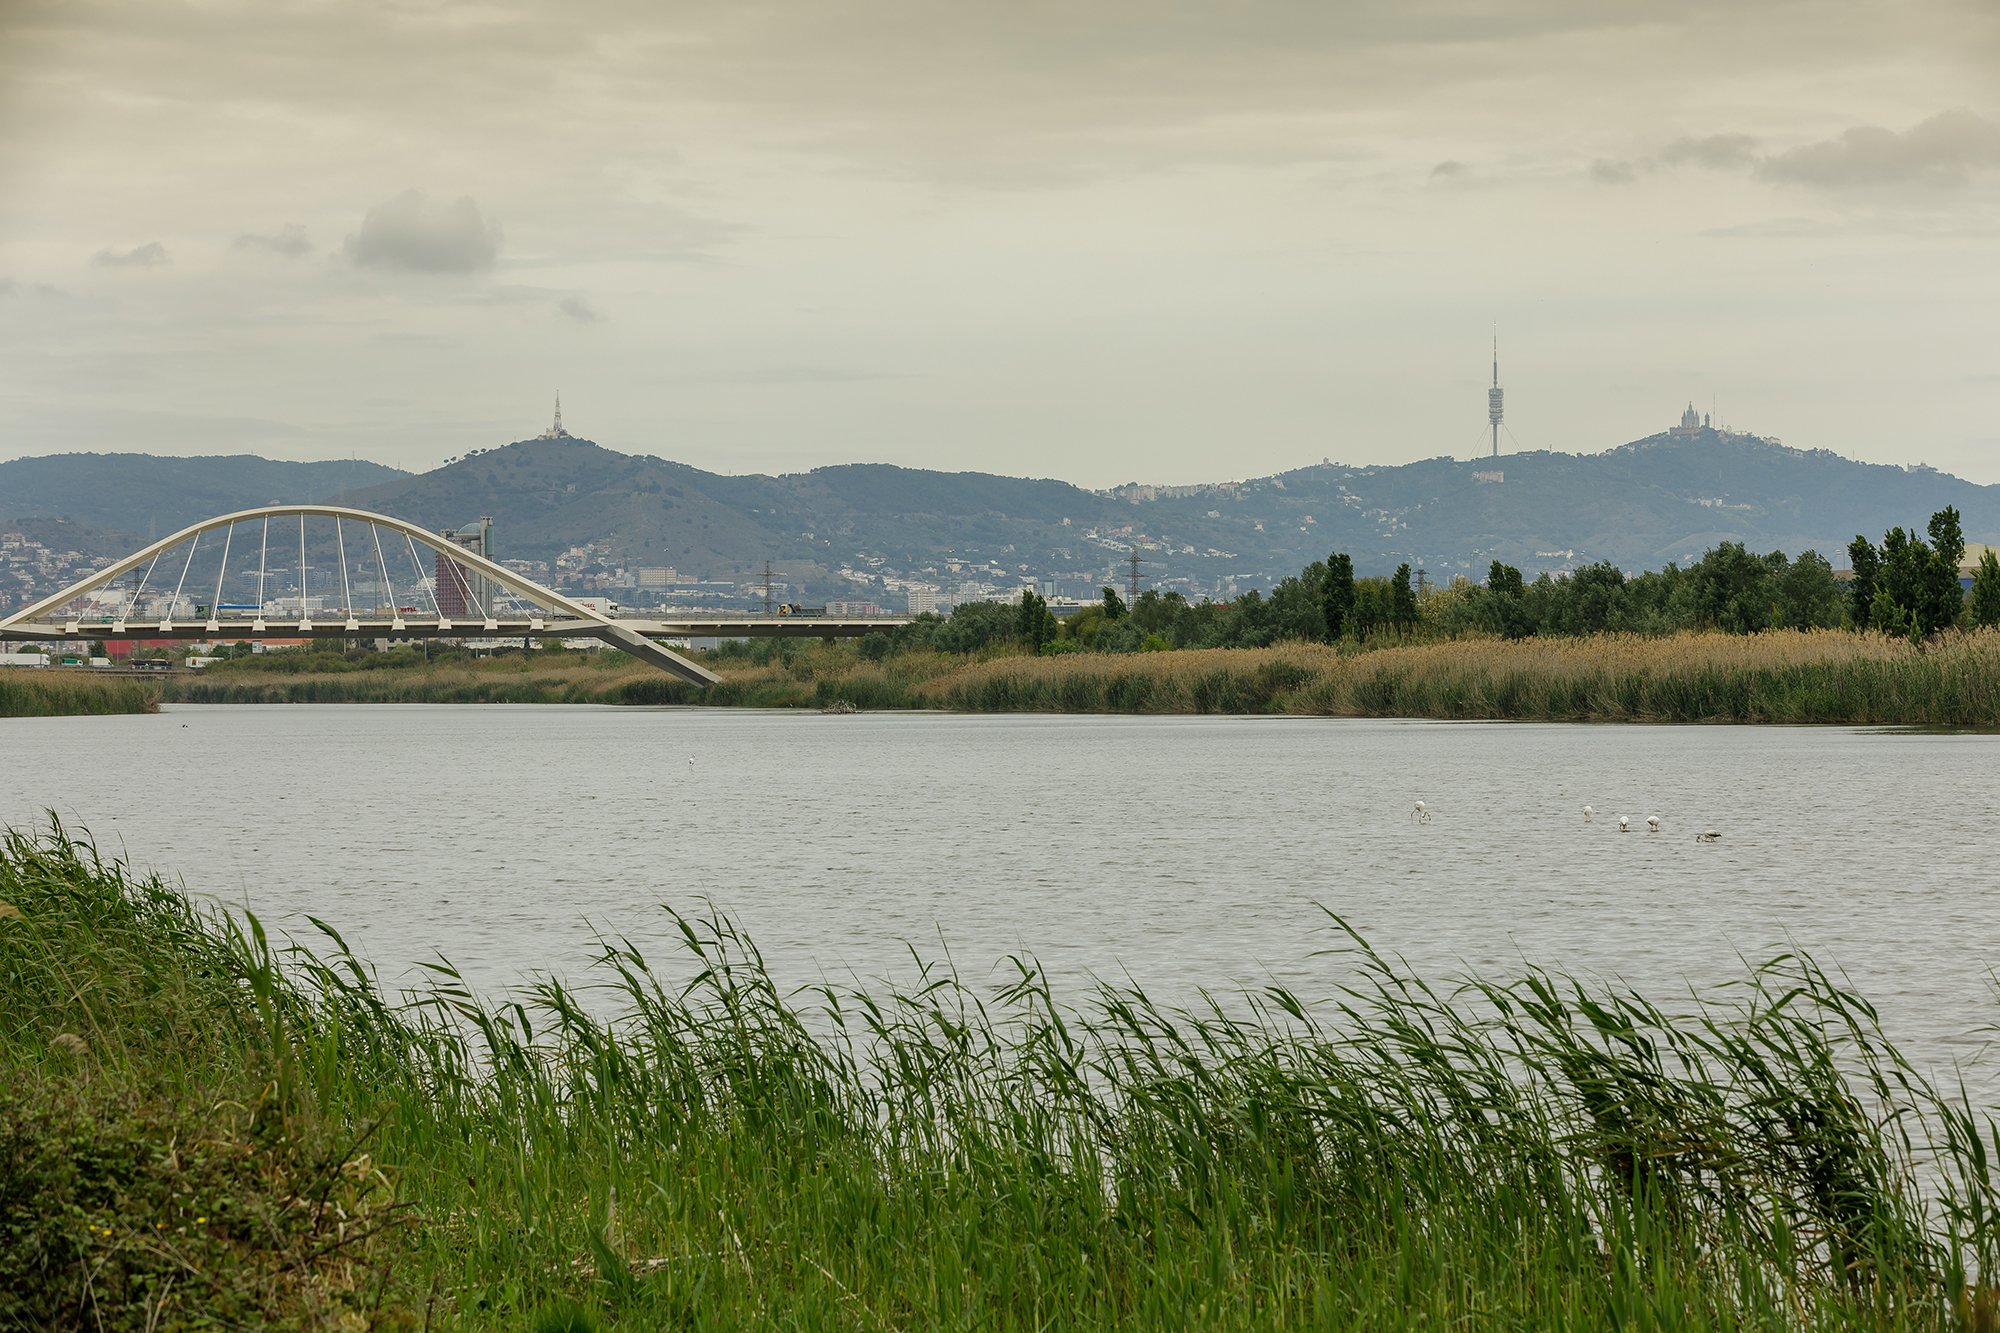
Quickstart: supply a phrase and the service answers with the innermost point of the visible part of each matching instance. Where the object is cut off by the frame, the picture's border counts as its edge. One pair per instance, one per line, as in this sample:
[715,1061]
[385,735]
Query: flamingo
[1624,823]
[1421,813]
[1587,813]
[1652,823]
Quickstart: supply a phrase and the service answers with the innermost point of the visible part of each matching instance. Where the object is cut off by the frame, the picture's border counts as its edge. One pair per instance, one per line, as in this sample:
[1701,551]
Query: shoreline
[1781,678]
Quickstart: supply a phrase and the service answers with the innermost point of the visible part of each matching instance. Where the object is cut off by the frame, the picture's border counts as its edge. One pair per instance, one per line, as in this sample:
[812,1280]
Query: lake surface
[1184,852]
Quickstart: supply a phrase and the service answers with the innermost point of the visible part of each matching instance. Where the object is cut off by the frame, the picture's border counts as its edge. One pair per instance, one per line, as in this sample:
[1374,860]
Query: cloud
[406,232]
[579,310]
[1721,152]
[15,287]
[150,255]
[290,242]
[1944,150]
[1449,171]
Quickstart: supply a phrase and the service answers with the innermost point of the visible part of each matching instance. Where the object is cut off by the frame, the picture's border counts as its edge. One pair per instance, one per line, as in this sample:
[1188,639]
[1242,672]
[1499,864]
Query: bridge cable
[304,619]
[139,591]
[215,607]
[418,565]
[388,584]
[263,548]
[193,546]
[485,618]
[346,595]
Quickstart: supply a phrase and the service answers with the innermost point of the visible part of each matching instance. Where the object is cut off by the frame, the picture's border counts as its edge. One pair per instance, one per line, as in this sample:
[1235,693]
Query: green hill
[148,497]
[1641,505]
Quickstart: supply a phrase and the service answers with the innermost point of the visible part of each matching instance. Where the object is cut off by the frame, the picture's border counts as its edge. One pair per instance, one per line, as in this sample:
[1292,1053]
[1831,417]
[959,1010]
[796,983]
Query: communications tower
[1495,408]
[556,432]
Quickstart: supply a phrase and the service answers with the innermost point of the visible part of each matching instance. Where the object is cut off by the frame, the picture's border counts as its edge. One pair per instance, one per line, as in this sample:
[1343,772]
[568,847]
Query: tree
[1808,597]
[1986,590]
[1732,588]
[1298,606]
[1866,562]
[1114,605]
[972,626]
[1337,594]
[1036,624]
[1944,601]
[1402,601]
[1374,607]
[1505,580]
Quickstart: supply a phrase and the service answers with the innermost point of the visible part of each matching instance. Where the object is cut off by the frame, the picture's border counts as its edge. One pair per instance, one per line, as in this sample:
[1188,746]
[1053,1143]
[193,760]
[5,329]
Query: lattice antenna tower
[1132,578]
[770,605]
[1496,410]
[558,427]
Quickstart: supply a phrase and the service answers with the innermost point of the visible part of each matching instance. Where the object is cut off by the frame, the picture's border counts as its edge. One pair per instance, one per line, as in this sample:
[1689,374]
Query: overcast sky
[1105,242]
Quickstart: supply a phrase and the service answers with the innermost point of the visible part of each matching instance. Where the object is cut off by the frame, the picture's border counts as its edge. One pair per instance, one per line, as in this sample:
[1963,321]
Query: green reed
[684,1144]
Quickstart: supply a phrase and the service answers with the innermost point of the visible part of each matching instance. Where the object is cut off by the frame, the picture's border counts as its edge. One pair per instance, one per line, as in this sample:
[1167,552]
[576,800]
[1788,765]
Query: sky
[1118,241]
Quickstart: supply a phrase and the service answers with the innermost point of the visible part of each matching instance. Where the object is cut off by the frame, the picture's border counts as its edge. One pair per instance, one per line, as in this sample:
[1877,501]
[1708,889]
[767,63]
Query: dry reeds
[1824,676]
[52,692]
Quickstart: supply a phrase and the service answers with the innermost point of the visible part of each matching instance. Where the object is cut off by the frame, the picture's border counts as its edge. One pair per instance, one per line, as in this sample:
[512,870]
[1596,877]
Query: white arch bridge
[323,571]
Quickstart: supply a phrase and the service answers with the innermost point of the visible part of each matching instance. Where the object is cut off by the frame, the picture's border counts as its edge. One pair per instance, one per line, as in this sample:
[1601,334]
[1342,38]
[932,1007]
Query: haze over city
[1132,242]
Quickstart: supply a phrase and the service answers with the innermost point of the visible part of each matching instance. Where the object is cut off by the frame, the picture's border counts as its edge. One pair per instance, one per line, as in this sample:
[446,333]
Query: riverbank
[1823,676]
[58,693]
[197,1126]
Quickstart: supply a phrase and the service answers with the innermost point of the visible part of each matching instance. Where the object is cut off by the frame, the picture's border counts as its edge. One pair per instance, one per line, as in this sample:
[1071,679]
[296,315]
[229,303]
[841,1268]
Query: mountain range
[838,530]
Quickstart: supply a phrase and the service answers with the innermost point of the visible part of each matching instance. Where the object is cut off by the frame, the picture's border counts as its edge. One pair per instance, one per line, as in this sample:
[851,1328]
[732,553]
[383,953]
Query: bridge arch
[553,612]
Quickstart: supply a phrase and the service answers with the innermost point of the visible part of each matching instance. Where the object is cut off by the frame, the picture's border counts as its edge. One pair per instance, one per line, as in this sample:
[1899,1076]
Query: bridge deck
[338,626]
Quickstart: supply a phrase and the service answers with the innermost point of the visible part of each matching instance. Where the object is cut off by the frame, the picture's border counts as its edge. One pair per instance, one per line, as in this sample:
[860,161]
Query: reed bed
[53,692]
[1818,676]
[200,1120]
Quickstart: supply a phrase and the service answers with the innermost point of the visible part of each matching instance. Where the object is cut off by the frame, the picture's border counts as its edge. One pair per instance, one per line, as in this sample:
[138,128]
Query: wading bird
[1624,823]
[1652,823]
[1421,813]
[1587,813]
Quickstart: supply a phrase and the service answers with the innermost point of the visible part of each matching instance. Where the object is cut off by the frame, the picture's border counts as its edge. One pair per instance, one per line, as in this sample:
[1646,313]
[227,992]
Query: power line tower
[1132,578]
[769,604]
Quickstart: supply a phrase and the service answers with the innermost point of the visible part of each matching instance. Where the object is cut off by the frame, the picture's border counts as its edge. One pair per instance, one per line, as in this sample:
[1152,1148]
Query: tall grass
[1526,1153]
[57,693]
[1822,676]
[1816,676]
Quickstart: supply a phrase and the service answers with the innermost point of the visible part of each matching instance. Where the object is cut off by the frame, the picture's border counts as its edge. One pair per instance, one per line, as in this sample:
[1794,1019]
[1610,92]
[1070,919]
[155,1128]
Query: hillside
[842,530]
[547,496]
[146,496]
[1663,499]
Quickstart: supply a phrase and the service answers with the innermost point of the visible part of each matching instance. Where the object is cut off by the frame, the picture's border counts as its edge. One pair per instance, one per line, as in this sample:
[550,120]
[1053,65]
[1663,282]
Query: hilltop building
[1692,422]
[556,432]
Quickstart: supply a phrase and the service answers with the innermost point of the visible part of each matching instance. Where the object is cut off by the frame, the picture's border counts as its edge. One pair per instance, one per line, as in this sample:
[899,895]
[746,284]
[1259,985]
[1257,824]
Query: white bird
[690,761]
[1708,835]
[1624,824]
[1587,813]
[1421,813]
[1652,823]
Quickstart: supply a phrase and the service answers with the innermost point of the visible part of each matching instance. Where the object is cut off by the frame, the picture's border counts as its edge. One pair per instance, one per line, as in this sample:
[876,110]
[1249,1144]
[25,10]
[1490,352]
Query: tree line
[1907,585]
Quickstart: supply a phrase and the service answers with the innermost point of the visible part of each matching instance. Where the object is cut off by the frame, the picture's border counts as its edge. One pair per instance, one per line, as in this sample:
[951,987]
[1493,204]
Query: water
[1185,852]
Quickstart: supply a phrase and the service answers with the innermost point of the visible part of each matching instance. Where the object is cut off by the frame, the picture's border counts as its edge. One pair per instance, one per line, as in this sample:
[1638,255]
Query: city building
[462,592]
